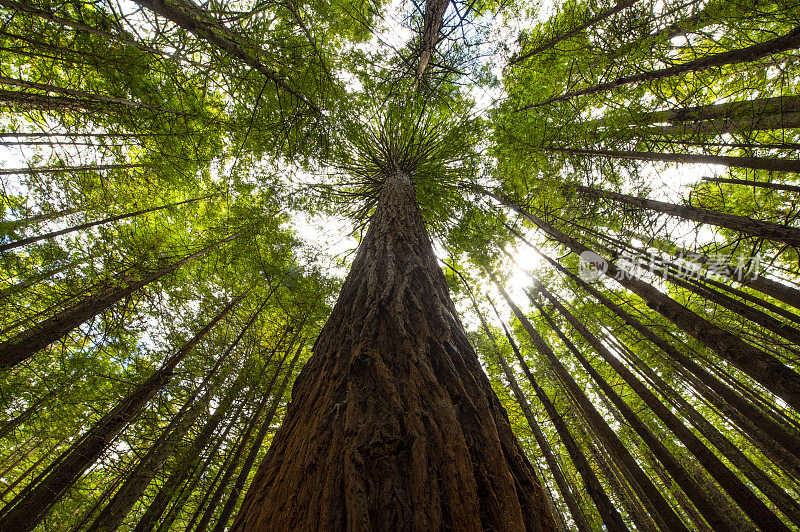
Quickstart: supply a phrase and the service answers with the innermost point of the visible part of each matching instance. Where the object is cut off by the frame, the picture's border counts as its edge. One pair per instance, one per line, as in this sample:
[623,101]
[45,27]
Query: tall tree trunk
[216,34]
[87,225]
[244,473]
[116,510]
[618,450]
[9,427]
[783,43]
[738,491]
[712,388]
[611,518]
[757,163]
[741,224]
[393,423]
[749,183]
[541,439]
[245,440]
[606,13]
[764,368]
[80,97]
[191,457]
[28,342]
[26,512]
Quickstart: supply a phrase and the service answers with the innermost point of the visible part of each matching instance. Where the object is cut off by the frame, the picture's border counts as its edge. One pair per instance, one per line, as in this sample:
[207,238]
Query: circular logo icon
[591,266]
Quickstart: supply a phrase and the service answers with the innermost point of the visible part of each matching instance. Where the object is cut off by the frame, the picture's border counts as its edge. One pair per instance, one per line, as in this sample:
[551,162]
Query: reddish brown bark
[393,425]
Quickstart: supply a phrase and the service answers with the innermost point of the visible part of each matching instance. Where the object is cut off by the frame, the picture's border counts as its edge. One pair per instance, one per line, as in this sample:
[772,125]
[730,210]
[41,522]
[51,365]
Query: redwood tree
[393,424]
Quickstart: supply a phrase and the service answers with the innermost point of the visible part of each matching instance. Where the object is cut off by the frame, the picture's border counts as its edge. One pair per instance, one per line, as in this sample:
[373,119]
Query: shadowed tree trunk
[393,424]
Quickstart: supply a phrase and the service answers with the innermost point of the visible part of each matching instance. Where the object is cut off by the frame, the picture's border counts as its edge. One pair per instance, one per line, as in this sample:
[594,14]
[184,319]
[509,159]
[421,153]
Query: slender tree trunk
[611,518]
[82,96]
[23,417]
[757,163]
[755,52]
[59,169]
[603,15]
[433,20]
[34,279]
[139,478]
[770,372]
[719,391]
[757,184]
[28,472]
[373,436]
[752,472]
[541,439]
[245,441]
[244,473]
[31,508]
[742,224]
[116,510]
[28,342]
[203,467]
[178,12]
[87,225]
[11,225]
[620,453]
[736,489]
[189,460]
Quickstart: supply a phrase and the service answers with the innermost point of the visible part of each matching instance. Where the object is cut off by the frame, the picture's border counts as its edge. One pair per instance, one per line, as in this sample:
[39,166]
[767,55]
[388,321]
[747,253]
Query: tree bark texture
[393,424]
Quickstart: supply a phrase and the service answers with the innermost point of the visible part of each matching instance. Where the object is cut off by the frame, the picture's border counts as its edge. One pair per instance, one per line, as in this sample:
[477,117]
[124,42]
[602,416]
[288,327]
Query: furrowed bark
[393,423]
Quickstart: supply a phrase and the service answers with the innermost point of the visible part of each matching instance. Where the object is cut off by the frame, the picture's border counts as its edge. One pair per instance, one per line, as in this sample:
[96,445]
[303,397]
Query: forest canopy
[609,188]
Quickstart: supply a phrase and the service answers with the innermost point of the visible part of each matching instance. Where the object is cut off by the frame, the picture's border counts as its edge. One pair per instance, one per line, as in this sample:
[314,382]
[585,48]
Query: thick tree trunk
[31,508]
[783,43]
[393,424]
